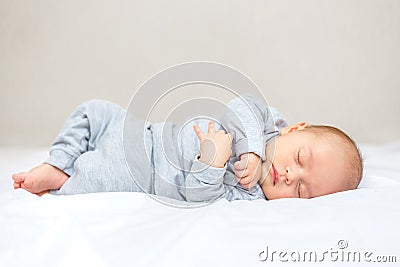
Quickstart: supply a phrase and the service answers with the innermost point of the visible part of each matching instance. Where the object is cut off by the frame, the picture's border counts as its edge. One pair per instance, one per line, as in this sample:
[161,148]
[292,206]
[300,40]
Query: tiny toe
[17,185]
[19,177]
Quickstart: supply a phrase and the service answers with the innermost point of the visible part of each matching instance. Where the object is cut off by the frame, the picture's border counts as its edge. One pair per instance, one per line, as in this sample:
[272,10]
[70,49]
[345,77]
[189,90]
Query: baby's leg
[80,134]
[40,179]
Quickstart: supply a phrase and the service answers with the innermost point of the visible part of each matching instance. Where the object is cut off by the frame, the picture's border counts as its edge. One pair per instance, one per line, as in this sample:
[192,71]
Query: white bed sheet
[120,229]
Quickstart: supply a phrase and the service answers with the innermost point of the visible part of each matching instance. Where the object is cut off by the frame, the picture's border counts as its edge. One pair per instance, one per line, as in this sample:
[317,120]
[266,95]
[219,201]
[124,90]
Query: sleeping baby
[249,153]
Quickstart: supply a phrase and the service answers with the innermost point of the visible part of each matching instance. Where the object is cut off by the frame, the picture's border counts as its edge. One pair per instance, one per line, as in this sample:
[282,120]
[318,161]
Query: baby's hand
[248,169]
[215,147]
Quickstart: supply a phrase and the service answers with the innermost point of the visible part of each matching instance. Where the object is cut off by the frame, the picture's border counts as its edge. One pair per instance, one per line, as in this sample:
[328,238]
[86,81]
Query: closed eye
[298,190]
[298,157]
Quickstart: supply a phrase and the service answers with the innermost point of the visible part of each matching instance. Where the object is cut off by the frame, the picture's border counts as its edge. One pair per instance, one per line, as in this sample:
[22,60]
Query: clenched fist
[248,169]
[215,147]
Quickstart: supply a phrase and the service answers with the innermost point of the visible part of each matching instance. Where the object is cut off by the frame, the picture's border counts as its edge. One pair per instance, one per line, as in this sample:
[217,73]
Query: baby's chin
[270,195]
[268,190]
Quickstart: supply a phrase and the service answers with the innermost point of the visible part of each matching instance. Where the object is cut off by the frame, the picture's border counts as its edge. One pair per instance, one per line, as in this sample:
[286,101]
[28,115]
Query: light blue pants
[89,149]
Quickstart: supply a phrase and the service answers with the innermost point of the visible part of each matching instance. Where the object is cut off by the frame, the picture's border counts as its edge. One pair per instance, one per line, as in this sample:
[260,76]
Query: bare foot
[40,179]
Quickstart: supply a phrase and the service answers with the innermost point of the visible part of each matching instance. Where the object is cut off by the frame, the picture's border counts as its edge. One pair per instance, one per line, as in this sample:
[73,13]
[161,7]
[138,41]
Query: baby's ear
[294,127]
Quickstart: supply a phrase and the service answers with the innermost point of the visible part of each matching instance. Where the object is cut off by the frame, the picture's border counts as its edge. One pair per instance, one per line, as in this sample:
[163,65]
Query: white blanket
[131,229]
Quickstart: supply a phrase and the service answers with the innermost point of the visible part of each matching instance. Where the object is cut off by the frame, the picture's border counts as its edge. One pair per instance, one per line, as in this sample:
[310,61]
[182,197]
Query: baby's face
[304,166]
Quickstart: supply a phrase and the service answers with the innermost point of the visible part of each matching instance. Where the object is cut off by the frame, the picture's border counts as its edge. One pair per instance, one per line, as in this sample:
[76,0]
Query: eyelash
[298,157]
[298,190]
[298,162]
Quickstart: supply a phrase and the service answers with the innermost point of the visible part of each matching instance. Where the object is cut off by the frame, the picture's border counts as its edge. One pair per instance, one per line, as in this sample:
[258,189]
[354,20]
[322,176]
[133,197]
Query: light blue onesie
[90,150]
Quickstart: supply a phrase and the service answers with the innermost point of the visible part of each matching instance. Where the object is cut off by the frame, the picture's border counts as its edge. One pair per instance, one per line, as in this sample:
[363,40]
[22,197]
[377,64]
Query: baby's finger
[246,181]
[199,132]
[241,173]
[240,165]
[211,127]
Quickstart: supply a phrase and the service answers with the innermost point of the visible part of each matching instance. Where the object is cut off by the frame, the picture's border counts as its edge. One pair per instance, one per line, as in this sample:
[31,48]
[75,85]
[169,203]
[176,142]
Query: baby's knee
[95,104]
[98,107]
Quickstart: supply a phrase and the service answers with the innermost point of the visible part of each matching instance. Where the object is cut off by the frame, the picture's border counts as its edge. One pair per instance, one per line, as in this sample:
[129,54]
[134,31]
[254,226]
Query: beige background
[334,62]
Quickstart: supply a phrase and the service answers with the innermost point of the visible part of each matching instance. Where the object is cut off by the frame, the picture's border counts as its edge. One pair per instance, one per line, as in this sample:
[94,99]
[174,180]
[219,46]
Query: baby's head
[310,161]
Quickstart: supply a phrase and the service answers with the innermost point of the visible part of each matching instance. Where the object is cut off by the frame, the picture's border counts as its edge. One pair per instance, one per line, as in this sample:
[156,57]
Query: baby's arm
[252,123]
[205,180]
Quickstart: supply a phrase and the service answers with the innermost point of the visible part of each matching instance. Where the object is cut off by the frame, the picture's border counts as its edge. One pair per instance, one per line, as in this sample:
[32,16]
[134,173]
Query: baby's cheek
[275,192]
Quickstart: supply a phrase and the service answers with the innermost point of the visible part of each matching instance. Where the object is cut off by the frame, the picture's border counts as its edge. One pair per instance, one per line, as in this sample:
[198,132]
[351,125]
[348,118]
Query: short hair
[355,158]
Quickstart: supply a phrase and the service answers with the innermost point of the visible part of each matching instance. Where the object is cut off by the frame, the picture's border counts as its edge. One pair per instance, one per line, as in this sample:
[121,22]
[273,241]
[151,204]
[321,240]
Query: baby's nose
[290,176]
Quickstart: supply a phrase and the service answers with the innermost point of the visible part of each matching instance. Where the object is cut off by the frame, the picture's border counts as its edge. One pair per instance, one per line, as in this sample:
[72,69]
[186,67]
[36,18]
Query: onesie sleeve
[204,183]
[251,122]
